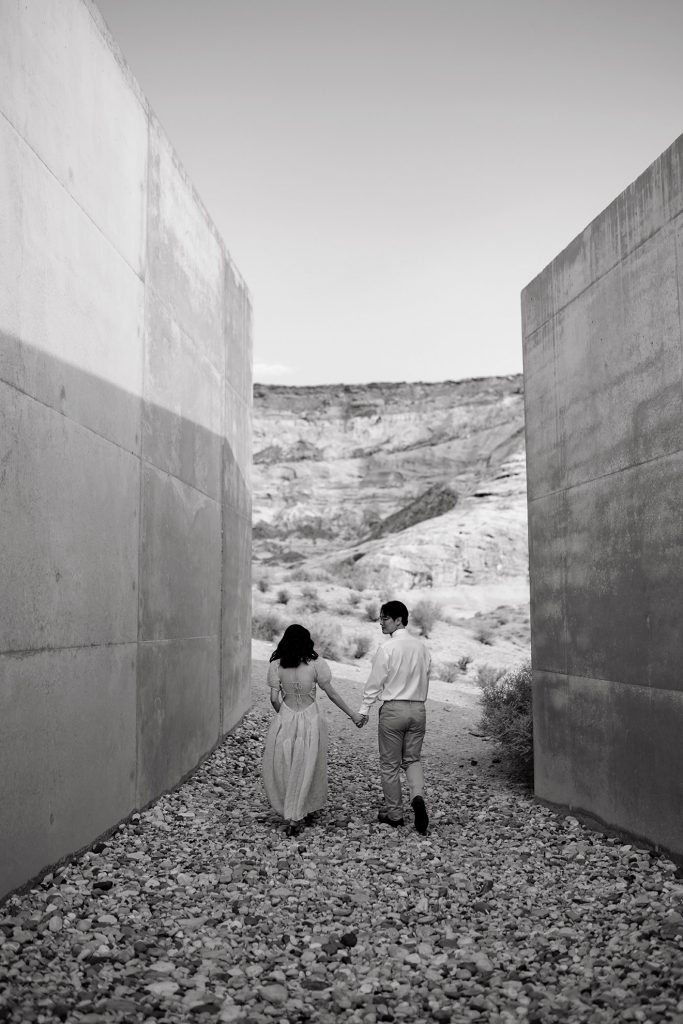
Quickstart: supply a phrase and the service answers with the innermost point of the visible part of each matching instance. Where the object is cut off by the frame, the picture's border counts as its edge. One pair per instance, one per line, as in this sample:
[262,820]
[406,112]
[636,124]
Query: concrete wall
[125,448]
[604,427]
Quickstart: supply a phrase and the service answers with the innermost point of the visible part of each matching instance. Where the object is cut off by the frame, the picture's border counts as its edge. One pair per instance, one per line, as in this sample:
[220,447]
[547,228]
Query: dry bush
[355,598]
[266,624]
[487,675]
[372,610]
[425,615]
[327,635]
[448,671]
[484,636]
[311,599]
[262,584]
[361,644]
[283,596]
[507,717]
[464,662]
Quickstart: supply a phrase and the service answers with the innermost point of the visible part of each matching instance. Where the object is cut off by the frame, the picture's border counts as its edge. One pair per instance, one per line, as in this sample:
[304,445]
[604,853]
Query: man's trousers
[400,734]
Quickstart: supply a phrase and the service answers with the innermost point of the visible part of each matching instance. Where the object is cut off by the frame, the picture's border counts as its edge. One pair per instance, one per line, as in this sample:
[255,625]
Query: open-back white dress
[295,756]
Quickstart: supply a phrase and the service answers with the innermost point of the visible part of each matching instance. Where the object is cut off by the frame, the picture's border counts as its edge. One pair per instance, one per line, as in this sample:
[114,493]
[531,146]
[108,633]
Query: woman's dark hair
[294,647]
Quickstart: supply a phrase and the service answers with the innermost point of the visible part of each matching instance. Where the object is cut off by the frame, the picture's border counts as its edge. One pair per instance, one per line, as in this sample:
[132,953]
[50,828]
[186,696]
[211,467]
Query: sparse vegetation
[262,584]
[484,636]
[327,637]
[314,603]
[266,624]
[355,598]
[372,610]
[507,717]
[487,675]
[464,662]
[449,671]
[425,615]
[283,596]
[361,644]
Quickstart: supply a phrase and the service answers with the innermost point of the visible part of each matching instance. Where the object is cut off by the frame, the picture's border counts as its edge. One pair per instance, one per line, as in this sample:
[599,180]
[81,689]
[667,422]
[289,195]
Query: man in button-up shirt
[400,680]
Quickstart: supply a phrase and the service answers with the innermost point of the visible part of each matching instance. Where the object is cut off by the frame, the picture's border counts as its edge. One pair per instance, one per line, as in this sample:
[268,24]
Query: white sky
[389,174]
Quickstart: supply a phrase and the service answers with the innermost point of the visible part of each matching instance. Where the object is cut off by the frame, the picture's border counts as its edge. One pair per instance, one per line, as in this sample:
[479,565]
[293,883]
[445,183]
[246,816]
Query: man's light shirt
[400,671]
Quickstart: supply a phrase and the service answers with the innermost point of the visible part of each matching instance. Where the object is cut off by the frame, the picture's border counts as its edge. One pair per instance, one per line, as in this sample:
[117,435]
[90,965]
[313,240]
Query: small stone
[275,994]
[349,939]
[163,988]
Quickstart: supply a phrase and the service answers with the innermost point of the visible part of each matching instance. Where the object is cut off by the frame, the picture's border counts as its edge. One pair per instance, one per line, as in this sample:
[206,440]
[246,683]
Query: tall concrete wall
[125,448]
[603,354]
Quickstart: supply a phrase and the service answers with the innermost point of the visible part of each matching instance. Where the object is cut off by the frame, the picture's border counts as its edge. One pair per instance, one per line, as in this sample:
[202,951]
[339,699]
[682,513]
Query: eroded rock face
[406,485]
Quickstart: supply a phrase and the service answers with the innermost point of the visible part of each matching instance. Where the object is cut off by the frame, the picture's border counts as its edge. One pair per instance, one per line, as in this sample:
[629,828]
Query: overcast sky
[389,174]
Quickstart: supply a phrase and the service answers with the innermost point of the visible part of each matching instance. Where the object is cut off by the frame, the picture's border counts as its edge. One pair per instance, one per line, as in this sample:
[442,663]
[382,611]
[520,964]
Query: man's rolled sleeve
[375,682]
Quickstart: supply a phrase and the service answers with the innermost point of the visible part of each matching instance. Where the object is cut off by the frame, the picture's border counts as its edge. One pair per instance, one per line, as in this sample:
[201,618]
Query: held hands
[359,720]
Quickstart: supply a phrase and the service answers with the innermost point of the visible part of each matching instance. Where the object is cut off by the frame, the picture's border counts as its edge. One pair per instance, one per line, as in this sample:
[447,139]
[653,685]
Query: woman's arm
[339,701]
[274,684]
[275,698]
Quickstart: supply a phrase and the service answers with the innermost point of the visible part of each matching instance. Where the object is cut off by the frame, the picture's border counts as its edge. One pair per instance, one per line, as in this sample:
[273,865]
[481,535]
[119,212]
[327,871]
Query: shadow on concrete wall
[125,612]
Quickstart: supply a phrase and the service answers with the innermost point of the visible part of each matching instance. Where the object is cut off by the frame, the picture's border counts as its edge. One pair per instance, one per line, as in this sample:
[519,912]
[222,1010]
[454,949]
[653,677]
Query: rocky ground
[201,908]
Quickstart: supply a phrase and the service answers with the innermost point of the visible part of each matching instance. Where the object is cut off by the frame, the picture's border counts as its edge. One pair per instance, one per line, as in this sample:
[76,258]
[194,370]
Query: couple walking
[295,756]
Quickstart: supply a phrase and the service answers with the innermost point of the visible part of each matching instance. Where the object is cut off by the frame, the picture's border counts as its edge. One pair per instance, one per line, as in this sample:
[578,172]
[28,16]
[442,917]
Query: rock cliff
[409,486]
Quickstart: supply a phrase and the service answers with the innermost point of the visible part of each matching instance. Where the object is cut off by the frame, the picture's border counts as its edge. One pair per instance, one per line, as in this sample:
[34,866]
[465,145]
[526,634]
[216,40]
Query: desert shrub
[464,662]
[484,636]
[266,624]
[283,596]
[262,584]
[314,603]
[327,637]
[310,575]
[425,615]
[361,644]
[449,671]
[372,610]
[354,598]
[487,675]
[507,718]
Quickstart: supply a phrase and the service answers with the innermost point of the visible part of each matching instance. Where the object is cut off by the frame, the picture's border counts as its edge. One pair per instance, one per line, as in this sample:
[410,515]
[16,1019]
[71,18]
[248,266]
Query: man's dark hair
[395,610]
[295,647]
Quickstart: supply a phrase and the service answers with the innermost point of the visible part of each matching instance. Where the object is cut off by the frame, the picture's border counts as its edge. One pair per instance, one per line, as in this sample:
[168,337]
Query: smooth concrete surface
[178,710]
[69,507]
[627,739]
[236,627]
[178,375]
[71,301]
[67,751]
[125,448]
[67,93]
[603,362]
[180,559]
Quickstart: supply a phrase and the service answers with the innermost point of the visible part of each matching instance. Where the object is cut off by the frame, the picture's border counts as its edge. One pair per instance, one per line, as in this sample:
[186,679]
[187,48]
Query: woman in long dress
[295,755]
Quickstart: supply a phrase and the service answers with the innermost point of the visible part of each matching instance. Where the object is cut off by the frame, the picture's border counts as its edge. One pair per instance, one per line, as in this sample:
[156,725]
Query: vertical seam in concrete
[143,383]
[221,621]
[678,297]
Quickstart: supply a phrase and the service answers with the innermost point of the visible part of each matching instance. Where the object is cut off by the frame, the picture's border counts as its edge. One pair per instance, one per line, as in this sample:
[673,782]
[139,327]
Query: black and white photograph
[341,511]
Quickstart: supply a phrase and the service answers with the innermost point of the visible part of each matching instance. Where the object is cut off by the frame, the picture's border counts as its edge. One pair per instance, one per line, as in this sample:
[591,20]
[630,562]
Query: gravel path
[201,909]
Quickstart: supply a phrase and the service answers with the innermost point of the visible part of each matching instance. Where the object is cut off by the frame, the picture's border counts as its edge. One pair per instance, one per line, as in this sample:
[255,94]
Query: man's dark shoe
[384,819]
[421,816]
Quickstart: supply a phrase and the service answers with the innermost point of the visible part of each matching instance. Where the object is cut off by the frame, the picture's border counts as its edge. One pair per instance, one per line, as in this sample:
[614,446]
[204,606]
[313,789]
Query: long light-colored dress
[295,756]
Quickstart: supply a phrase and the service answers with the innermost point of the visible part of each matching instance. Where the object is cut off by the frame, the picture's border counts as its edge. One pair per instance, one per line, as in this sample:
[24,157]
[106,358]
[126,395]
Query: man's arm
[375,682]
